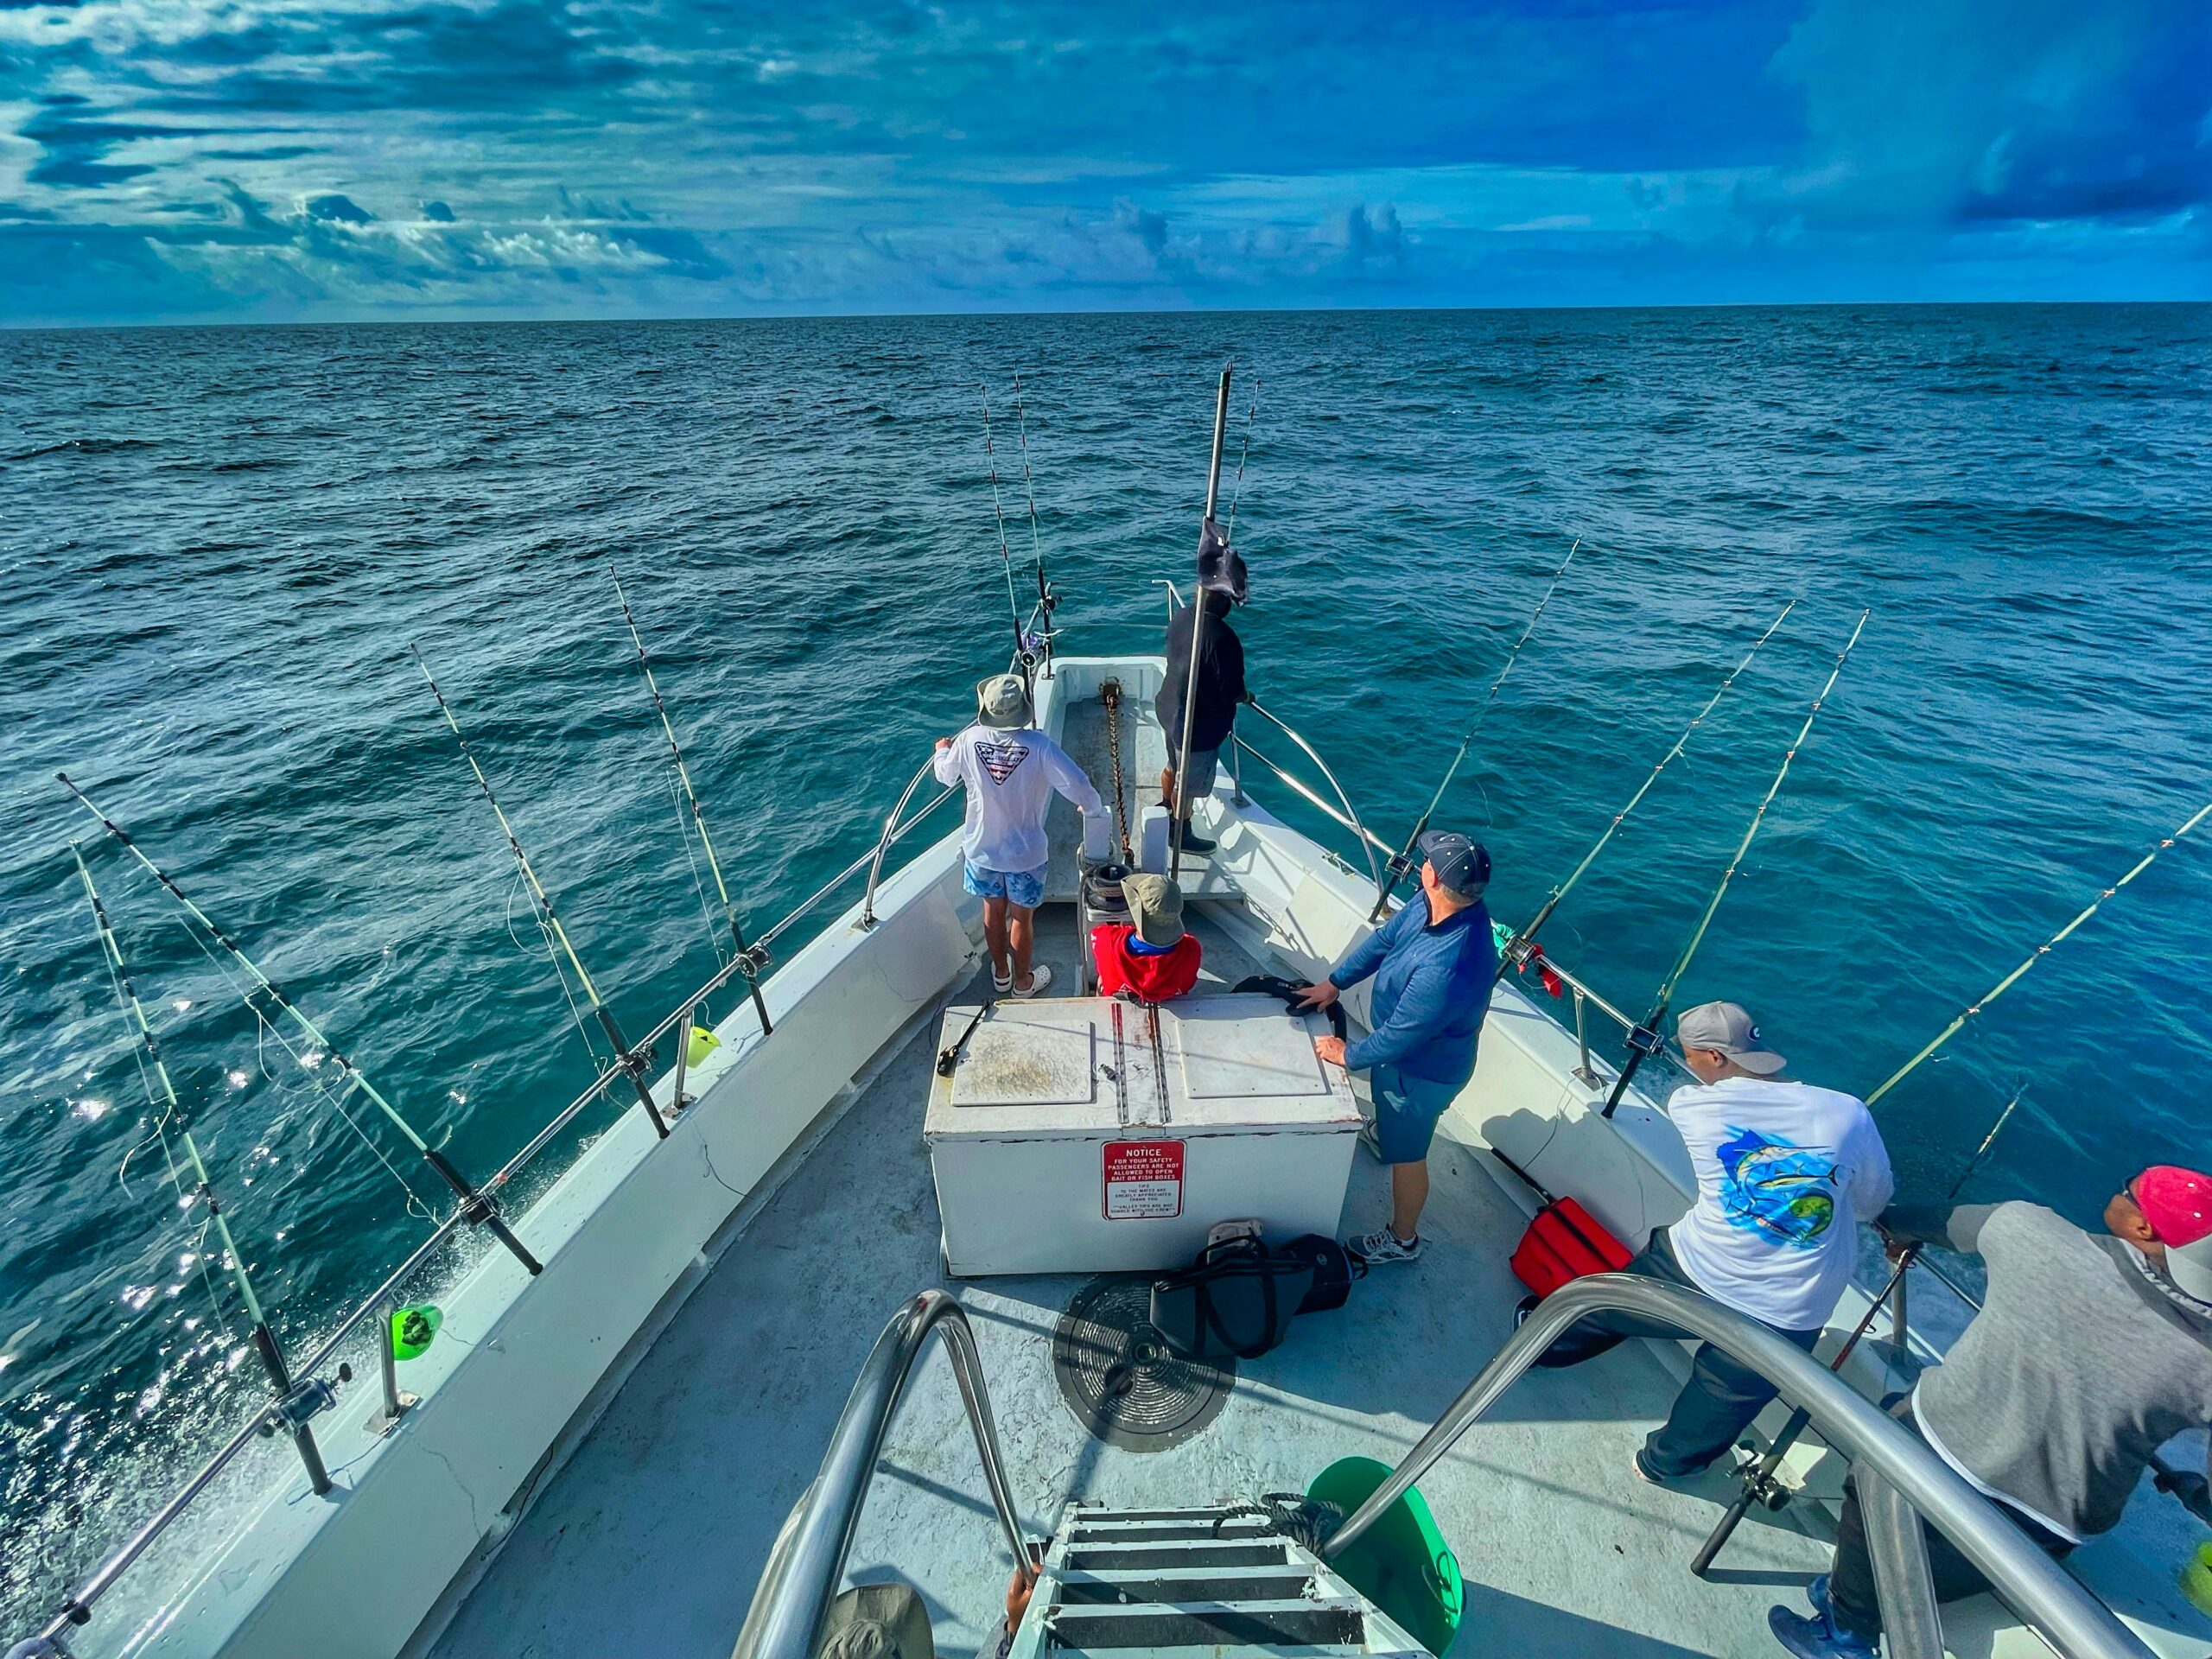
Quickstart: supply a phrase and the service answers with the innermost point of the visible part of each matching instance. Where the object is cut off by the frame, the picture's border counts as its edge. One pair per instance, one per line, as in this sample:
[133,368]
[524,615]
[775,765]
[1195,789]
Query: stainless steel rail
[78,1605]
[883,843]
[808,1562]
[1368,843]
[2037,1589]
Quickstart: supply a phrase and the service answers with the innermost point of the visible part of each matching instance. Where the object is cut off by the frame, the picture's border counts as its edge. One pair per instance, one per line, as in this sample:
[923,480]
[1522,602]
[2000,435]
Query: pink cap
[2178,1202]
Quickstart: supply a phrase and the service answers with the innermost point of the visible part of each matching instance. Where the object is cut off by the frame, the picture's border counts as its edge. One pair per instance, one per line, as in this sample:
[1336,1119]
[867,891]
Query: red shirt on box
[1148,977]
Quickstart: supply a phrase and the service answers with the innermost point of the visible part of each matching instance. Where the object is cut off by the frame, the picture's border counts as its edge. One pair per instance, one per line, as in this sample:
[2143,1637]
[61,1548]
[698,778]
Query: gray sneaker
[1383,1245]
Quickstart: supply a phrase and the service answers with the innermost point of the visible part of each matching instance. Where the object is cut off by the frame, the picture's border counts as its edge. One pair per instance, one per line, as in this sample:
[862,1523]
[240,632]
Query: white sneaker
[1383,1245]
[1040,977]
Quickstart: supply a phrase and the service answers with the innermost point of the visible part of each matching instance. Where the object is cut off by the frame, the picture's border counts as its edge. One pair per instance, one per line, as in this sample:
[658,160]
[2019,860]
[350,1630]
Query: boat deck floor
[652,1536]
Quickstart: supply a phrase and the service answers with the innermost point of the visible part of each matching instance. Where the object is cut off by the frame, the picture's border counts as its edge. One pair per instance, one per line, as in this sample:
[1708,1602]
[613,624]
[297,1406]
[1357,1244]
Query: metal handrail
[78,1606]
[1368,843]
[2038,1590]
[883,844]
[808,1562]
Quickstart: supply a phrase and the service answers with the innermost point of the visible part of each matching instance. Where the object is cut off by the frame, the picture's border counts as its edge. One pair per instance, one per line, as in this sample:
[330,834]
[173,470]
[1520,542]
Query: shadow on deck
[651,1538]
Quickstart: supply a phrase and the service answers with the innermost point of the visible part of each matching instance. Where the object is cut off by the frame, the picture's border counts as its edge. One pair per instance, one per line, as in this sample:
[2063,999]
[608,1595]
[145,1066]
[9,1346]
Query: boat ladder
[1211,1580]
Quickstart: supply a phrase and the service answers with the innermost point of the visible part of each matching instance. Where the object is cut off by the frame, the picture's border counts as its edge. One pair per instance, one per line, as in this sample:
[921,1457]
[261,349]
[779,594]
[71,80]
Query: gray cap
[1002,701]
[877,1621]
[1727,1027]
[1155,907]
[2190,1265]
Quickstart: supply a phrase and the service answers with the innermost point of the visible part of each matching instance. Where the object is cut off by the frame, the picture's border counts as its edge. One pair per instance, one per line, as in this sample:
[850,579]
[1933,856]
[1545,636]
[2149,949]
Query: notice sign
[1144,1179]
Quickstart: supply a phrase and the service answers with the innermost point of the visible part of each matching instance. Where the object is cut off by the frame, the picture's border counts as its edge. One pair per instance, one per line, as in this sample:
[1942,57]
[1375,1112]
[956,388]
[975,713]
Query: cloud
[1973,111]
[336,210]
[489,154]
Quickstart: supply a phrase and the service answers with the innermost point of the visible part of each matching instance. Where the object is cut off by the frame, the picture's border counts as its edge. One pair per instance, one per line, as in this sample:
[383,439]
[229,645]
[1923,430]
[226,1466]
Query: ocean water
[217,544]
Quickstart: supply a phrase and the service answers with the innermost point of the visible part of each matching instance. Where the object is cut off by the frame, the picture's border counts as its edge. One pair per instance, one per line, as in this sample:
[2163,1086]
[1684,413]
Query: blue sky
[281,159]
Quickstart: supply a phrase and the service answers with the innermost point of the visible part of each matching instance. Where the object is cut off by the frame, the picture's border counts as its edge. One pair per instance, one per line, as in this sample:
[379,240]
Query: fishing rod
[1244,452]
[1758,1482]
[1045,600]
[750,962]
[1401,865]
[1521,947]
[1006,554]
[1646,1039]
[169,1109]
[1974,1008]
[1208,532]
[474,1208]
[632,1062]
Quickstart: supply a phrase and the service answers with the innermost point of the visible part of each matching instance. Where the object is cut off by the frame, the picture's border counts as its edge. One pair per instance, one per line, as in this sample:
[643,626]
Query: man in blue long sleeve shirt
[1433,964]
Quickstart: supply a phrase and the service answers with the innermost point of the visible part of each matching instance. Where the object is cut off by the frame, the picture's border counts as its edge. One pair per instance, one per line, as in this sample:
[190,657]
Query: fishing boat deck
[652,1536]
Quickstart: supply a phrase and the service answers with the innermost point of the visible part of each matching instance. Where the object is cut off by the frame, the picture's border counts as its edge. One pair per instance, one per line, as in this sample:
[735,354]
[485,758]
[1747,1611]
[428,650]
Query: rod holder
[395,1402]
[1582,1072]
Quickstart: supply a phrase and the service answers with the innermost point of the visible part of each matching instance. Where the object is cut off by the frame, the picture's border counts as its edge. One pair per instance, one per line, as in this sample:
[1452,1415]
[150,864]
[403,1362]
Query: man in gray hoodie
[2089,1353]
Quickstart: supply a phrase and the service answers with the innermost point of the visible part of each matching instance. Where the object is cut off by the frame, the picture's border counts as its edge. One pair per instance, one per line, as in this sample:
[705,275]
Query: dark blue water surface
[217,545]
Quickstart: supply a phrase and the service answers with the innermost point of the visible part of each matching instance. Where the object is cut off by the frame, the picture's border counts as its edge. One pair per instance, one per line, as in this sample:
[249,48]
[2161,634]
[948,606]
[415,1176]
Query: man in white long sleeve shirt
[1785,1173]
[1011,770]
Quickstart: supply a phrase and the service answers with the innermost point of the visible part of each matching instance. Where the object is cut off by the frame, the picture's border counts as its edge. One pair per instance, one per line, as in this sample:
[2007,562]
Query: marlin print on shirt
[1001,759]
[1782,1192]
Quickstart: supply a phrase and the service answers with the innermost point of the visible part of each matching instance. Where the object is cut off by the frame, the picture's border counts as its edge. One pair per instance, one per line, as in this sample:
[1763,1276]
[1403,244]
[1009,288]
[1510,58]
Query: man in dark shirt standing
[1213,717]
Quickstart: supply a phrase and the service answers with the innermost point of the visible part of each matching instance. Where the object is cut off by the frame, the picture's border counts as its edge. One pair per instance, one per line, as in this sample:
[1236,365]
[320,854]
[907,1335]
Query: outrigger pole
[1647,1038]
[1521,947]
[1401,865]
[265,1339]
[2042,950]
[631,1064]
[1006,554]
[1043,588]
[474,1208]
[1208,532]
[749,962]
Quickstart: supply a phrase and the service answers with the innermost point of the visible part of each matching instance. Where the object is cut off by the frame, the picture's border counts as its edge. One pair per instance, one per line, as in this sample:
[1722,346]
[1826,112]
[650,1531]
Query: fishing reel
[301,1403]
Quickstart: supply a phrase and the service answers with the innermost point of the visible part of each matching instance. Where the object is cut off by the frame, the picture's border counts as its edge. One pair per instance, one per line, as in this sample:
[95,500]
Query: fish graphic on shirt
[1002,758]
[1785,1193]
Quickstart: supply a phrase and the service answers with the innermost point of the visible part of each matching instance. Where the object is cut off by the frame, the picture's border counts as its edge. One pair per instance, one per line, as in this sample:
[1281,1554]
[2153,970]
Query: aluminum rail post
[2042,1593]
[808,1561]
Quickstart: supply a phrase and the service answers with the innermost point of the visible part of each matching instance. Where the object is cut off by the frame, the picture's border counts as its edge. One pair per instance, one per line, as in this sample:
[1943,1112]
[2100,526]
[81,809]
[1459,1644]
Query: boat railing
[807,1562]
[2039,1592]
[892,831]
[76,1609]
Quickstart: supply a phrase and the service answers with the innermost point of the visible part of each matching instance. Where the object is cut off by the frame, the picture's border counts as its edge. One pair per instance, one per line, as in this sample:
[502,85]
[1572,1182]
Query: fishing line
[634,1065]
[473,1206]
[1521,948]
[169,1107]
[1006,554]
[1237,489]
[751,960]
[1975,1008]
[1646,1038]
[264,1031]
[1401,865]
[560,976]
[1045,601]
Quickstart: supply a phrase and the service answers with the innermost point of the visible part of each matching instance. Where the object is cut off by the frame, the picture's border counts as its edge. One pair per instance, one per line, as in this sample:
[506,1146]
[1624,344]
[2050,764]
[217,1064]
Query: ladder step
[1264,1624]
[1106,1558]
[1226,1583]
[1084,1514]
[1169,1532]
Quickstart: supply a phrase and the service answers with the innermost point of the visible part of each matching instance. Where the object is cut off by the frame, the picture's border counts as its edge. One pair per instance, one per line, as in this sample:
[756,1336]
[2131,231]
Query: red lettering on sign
[1143,1180]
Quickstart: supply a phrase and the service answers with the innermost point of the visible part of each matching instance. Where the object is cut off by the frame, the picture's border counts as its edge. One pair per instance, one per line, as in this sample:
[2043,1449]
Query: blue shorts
[1023,888]
[1406,1110]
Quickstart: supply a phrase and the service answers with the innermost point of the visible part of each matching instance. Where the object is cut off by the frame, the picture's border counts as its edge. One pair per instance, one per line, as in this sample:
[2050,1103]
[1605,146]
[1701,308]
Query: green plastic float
[1401,1563]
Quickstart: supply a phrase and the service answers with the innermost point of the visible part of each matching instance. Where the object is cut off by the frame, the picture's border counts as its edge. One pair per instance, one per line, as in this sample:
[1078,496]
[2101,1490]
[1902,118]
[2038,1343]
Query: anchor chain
[1110,694]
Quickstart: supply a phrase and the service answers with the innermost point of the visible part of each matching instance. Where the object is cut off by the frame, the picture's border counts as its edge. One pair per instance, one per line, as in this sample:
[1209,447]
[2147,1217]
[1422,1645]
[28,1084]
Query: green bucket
[1401,1563]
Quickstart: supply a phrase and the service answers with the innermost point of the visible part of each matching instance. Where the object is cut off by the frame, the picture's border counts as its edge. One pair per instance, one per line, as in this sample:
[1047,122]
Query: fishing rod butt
[478,1210]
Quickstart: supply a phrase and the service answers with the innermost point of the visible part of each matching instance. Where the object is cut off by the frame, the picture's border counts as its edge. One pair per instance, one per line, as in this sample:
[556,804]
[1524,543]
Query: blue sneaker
[1816,1637]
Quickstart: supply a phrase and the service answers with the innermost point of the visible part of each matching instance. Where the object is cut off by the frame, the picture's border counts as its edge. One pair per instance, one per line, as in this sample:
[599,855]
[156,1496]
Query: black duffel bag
[1334,1269]
[1234,1302]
